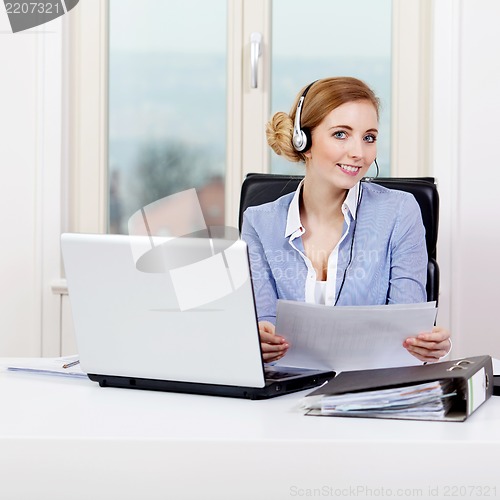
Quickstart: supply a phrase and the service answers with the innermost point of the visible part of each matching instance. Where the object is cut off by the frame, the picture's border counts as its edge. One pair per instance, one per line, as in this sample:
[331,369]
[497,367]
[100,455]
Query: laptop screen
[164,308]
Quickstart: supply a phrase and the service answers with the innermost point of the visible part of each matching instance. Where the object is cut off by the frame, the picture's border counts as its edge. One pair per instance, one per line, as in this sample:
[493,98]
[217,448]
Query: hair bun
[279,133]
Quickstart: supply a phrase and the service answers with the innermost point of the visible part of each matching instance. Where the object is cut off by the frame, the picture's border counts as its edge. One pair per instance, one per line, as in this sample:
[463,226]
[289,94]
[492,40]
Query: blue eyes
[340,134]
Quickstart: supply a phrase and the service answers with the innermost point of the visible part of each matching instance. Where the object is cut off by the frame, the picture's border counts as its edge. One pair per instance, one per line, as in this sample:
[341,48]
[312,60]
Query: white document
[496,366]
[45,366]
[345,338]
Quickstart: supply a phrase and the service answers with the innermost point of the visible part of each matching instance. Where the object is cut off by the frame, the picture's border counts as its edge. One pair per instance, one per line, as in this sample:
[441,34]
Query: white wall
[465,136]
[30,163]
[464,88]
[477,241]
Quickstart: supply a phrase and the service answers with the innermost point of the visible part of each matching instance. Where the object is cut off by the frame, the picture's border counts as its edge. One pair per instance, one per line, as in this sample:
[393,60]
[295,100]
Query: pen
[69,365]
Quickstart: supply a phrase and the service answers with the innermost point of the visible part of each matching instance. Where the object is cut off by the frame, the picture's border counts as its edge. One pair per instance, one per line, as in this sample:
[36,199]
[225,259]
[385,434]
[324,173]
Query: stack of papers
[66,366]
[427,401]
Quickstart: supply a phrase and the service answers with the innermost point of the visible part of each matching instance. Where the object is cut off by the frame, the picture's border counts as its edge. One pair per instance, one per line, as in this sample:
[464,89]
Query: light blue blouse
[389,257]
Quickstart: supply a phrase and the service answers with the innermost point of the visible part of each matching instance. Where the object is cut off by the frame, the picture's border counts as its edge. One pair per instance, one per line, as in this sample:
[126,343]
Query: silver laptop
[171,314]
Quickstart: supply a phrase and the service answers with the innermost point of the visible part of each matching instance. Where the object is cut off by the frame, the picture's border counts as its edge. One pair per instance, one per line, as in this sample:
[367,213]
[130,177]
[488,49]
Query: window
[167,105]
[332,38]
[406,112]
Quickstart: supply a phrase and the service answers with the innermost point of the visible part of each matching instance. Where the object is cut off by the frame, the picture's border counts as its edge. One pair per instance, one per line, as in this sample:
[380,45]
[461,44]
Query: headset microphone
[301,136]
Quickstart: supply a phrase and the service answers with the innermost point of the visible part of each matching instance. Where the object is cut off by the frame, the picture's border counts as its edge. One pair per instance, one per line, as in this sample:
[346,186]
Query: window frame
[246,149]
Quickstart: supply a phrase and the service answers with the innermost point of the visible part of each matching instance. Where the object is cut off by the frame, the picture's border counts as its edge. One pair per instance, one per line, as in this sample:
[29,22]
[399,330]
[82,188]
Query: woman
[336,241]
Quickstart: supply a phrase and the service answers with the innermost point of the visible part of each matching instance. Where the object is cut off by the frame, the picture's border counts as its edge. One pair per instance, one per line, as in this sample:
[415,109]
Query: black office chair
[262,188]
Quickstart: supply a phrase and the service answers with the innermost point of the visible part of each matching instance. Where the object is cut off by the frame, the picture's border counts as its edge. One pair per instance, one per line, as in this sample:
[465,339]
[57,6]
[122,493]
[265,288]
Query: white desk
[70,439]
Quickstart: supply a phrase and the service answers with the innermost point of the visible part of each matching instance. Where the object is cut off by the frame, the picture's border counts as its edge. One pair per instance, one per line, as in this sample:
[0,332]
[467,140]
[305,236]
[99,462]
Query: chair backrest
[262,188]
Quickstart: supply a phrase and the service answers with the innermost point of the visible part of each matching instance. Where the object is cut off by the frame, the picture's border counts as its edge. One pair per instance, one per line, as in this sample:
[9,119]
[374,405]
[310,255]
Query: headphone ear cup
[298,140]
[302,140]
[308,140]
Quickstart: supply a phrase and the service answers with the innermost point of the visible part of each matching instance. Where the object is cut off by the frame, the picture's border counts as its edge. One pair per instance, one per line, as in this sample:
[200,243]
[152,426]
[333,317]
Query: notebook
[171,314]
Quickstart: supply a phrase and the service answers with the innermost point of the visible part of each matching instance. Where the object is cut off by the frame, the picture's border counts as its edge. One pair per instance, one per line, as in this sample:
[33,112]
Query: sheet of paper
[351,337]
[45,366]
[496,366]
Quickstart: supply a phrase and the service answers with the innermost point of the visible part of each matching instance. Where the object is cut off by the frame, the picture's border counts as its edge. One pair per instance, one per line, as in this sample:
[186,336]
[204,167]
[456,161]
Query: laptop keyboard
[276,375]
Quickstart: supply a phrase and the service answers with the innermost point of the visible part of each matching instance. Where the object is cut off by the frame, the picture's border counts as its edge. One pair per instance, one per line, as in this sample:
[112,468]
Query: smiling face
[344,145]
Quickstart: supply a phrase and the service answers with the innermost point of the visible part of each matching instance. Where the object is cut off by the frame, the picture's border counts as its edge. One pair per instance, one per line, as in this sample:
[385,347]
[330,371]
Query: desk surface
[119,443]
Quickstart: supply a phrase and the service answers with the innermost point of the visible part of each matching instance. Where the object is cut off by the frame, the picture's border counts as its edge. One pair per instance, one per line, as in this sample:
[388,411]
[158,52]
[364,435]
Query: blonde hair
[322,97]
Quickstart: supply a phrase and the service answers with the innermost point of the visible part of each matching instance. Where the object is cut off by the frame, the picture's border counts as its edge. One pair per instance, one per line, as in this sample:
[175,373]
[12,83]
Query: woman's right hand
[273,346]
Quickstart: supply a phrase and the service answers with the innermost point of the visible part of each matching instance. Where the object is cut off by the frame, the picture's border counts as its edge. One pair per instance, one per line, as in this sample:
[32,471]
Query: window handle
[255,53]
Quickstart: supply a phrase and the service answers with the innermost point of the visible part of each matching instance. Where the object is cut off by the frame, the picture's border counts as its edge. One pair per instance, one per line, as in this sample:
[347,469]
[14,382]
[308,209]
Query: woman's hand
[273,346]
[429,346]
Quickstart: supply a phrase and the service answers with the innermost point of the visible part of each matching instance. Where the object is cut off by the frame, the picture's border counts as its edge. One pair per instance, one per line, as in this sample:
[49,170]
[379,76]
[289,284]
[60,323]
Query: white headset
[301,139]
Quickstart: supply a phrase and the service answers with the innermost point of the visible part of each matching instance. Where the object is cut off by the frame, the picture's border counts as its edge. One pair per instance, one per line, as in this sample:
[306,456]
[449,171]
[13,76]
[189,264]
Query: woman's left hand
[429,346]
